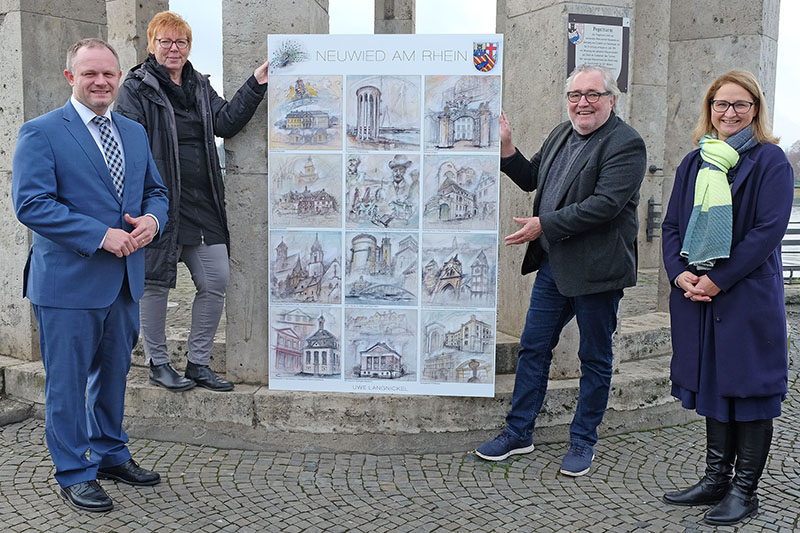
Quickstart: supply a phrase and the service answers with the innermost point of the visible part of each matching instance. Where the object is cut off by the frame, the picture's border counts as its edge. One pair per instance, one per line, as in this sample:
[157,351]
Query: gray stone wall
[245,26]
[34,37]
[395,16]
[127,28]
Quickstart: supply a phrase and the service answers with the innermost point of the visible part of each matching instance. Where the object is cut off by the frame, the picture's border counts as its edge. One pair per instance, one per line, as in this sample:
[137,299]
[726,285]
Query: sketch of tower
[385,261]
[429,279]
[369,106]
[309,174]
[479,285]
[316,266]
[362,257]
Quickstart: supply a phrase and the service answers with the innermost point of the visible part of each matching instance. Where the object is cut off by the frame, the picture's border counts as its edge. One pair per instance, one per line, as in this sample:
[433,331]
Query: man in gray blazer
[582,241]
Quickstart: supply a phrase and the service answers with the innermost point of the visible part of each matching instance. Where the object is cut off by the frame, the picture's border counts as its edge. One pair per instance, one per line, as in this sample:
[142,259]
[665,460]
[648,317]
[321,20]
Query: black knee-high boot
[752,447]
[720,454]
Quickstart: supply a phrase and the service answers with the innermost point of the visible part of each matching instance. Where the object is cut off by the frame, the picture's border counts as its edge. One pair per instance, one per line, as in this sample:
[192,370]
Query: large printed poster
[383,212]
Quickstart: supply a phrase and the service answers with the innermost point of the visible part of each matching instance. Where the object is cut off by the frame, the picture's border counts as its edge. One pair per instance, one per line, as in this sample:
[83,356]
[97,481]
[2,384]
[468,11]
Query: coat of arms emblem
[485,56]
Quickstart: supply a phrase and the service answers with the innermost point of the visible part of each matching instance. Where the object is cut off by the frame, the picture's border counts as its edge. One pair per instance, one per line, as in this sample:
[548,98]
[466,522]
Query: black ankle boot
[752,448]
[720,454]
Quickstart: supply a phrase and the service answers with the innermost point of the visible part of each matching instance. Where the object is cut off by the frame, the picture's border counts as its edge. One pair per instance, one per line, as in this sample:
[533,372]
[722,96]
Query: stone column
[395,16]
[534,72]
[127,28]
[648,111]
[34,37]
[722,36]
[245,26]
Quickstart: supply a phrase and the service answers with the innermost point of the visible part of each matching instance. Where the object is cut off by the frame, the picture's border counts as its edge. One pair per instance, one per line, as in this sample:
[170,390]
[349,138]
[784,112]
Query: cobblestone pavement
[208,489]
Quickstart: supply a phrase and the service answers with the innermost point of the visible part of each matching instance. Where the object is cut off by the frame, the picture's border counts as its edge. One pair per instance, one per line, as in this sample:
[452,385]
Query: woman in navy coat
[728,320]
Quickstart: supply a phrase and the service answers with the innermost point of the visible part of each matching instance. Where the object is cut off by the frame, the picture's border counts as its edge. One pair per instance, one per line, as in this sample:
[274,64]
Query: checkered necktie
[113,155]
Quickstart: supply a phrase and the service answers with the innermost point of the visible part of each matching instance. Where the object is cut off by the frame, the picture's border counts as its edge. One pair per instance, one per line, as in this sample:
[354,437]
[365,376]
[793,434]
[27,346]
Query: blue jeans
[548,313]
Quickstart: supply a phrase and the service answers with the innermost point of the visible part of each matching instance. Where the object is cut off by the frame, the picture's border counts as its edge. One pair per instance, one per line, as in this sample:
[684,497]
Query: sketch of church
[381,361]
[305,279]
[451,283]
[305,190]
[321,355]
[460,196]
[375,275]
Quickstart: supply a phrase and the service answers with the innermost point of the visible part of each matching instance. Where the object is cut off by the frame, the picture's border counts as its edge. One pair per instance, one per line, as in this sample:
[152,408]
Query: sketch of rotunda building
[368,100]
[321,353]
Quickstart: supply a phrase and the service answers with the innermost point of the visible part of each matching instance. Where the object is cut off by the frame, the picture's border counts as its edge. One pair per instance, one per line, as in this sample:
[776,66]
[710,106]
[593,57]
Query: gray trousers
[210,273]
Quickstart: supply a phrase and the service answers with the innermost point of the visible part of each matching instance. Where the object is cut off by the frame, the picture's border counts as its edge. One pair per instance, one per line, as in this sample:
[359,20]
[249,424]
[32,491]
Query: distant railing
[790,253]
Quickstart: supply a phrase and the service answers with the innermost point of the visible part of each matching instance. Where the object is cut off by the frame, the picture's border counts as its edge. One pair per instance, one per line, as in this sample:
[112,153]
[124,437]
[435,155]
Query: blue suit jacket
[62,190]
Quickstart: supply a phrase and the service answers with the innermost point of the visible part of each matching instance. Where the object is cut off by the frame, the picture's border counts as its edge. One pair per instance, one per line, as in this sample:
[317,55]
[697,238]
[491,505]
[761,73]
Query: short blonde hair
[747,81]
[165,21]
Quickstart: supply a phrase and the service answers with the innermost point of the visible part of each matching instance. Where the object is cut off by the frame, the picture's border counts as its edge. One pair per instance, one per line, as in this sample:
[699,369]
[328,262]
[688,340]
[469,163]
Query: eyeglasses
[739,107]
[166,44]
[592,97]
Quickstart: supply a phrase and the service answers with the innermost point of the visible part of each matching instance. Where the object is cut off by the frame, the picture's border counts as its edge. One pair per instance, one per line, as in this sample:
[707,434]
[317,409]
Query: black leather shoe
[87,496]
[131,473]
[205,377]
[169,378]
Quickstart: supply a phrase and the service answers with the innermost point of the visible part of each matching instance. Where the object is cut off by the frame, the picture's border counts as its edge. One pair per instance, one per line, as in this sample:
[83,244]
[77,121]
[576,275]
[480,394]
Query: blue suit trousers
[86,355]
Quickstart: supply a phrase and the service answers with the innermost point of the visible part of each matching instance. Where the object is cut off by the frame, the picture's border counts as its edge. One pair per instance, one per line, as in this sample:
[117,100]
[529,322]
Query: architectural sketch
[306,112]
[305,190]
[380,344]
[458,346]
[460,192]
[383,112]
[305,342]
[305,266]
[459,269]
[381,268]
[382,191]
[461,113]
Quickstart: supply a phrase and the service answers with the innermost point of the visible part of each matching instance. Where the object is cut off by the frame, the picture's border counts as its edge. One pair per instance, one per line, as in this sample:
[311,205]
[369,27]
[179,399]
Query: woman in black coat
[182,115]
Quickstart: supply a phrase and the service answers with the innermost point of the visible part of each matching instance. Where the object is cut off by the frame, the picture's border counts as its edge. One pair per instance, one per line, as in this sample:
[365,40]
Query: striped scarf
[708,235]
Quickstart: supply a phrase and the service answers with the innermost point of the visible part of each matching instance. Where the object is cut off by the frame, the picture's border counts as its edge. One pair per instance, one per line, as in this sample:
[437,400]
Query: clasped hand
[121,243]
[697,288]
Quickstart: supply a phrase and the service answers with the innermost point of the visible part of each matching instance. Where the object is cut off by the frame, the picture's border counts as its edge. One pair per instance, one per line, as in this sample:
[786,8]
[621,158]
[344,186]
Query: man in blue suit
[85,183]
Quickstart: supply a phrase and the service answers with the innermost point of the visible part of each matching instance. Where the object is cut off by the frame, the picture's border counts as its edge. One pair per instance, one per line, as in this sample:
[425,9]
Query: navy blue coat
[749,312]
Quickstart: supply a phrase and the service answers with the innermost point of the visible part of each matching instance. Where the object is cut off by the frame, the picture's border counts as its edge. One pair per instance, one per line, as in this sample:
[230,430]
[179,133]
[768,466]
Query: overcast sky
[478,16]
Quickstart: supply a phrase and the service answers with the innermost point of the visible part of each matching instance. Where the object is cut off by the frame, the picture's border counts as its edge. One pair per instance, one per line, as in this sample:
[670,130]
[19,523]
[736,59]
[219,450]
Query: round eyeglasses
[739,107]
[166,44]
[592,96]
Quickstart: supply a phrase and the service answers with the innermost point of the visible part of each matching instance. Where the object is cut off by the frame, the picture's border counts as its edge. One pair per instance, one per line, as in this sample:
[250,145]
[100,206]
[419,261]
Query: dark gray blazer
[592,232]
